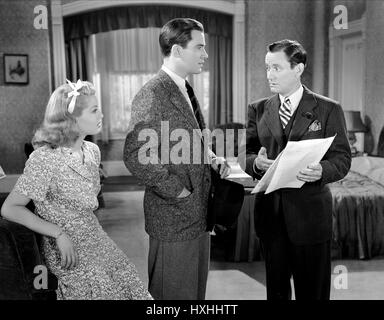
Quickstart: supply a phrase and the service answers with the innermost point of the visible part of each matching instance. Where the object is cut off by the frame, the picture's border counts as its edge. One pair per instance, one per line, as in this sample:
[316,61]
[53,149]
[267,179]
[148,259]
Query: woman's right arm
[14,210]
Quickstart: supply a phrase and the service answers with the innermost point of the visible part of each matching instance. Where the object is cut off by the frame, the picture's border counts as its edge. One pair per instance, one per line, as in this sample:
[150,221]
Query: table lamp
[354,124]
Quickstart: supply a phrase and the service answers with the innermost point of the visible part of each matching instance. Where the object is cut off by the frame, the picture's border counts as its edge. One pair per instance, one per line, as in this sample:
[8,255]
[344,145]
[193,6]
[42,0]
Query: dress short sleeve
[38,172]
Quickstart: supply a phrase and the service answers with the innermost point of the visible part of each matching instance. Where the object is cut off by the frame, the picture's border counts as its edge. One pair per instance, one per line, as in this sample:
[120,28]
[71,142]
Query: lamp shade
[354,122]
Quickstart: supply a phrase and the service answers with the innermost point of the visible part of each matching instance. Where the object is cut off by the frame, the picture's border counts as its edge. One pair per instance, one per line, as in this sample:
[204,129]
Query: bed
[358,213]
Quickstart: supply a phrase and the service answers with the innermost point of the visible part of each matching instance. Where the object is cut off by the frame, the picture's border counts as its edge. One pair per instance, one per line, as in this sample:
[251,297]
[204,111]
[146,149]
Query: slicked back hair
[294,51]
[177,31]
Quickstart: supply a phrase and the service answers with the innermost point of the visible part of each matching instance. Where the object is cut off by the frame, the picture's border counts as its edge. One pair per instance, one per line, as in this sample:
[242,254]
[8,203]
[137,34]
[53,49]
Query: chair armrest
[19,255]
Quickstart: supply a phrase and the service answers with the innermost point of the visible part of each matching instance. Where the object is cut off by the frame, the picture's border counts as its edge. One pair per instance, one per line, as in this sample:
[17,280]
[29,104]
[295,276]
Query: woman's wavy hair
[59,127]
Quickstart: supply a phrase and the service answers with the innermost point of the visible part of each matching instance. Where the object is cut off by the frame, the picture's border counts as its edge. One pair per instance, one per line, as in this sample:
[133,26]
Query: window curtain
[78,29]
[77,61]
[77,58]
[121,62]
[129,17]
[220,90]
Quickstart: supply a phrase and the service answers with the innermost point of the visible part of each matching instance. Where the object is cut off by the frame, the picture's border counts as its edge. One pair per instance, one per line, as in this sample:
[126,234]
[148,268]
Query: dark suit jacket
[167,217]
[307,211]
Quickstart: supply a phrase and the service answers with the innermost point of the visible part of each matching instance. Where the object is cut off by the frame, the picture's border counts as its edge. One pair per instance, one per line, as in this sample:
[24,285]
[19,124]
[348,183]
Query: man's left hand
[312,173]
[221,166]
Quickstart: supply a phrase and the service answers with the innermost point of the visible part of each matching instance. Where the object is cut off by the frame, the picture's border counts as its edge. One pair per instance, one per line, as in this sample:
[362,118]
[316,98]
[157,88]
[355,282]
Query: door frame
[336,36]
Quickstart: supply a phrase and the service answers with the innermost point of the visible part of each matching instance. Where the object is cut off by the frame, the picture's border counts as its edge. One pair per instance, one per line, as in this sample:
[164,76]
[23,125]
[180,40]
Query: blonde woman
[62,178]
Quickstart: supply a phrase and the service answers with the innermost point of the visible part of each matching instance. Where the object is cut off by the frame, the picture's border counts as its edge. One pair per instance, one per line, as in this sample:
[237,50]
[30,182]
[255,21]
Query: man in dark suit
[177,190]
[295,225]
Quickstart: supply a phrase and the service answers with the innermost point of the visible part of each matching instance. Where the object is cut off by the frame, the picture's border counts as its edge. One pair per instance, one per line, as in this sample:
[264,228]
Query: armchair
[19,255]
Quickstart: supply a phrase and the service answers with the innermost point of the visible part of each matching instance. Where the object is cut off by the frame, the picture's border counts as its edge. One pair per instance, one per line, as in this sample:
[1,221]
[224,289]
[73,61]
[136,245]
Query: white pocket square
[315,126]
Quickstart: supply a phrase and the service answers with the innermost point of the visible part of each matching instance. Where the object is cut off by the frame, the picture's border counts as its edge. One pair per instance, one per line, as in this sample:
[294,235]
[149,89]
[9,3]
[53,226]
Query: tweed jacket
[160,116]
[307,211]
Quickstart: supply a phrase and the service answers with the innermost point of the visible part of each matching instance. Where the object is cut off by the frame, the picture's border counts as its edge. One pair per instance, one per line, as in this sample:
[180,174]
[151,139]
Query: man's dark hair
[177,31]
[294,51]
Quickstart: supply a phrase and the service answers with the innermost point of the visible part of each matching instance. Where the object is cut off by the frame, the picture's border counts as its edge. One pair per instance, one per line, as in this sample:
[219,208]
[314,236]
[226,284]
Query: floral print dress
[64,191]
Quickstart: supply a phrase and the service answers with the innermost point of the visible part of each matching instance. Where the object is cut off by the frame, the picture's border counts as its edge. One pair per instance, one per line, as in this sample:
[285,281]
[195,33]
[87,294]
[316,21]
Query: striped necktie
[285,112]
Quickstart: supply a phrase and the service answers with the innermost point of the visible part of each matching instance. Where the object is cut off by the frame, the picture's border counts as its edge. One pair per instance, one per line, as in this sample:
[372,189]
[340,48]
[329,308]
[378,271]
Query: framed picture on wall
[16,69]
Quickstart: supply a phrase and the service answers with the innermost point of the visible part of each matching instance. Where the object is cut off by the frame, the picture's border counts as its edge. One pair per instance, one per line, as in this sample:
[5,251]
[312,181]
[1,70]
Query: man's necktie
[285,112]
[195,105]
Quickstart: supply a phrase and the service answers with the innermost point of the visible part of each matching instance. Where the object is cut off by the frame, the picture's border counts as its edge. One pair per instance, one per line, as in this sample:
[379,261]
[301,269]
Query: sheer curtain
[220,92]
[119,64]
[76,58]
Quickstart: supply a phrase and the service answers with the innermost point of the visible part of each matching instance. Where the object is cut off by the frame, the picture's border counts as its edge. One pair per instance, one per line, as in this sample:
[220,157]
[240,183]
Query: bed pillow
[373,167]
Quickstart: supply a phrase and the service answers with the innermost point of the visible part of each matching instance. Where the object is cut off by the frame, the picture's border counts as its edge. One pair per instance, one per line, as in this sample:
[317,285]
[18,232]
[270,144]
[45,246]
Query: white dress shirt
[180,82]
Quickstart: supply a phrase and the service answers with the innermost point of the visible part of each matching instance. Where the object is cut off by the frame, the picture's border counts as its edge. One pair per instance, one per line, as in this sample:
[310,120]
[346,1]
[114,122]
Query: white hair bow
[74,93]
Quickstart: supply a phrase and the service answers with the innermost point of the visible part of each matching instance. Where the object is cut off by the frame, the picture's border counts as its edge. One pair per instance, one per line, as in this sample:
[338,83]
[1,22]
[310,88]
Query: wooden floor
[123,219]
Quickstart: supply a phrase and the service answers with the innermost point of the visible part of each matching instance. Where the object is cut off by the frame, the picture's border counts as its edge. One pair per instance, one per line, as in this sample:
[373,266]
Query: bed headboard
[380,146]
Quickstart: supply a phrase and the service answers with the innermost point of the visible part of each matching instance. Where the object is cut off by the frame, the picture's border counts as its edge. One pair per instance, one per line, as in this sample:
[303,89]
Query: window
[122,62]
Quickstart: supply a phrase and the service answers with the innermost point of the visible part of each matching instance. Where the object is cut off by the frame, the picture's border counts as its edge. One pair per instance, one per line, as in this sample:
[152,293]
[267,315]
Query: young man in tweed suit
[176,195]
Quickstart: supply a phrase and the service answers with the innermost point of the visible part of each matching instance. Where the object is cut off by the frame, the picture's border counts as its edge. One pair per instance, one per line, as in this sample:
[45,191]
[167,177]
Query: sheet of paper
[267,177]
[296,156]
[2,173]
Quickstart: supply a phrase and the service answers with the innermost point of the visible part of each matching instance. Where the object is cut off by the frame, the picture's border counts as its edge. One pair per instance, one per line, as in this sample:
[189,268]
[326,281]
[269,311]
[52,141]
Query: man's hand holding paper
[312,173]
[296,164]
